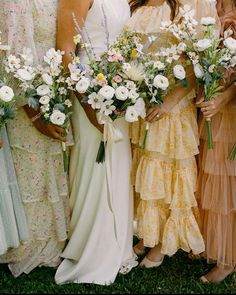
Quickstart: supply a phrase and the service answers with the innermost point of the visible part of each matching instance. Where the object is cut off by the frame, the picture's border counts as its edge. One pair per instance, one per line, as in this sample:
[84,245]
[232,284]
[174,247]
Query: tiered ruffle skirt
[164,176]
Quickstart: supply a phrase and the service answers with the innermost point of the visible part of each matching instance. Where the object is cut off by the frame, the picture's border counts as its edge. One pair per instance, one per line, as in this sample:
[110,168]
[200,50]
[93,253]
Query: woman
[101,227]
[13,223]
[217,176]
[38,159]
[165,171]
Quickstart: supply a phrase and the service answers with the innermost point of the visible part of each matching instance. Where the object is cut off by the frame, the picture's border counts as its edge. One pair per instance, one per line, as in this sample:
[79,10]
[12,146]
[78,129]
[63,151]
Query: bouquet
[111,84]
[7,97]
[164,71]
[45,87]
[210,55]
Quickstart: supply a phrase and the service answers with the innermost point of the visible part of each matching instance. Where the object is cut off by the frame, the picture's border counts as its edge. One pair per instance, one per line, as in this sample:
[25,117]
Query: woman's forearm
[179,92]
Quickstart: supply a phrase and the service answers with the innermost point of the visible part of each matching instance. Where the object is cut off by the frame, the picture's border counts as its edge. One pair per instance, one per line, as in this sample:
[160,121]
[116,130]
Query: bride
[101,227]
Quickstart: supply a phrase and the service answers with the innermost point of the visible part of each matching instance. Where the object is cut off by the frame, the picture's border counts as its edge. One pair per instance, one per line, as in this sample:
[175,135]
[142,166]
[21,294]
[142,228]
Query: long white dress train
[101,227]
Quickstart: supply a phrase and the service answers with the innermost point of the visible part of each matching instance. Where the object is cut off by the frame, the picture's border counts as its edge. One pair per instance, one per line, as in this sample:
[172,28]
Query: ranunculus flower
[47,79]
[6,93]
[131,114]
[161,82]
[230,43]
[43,90]
[44,99]
[83,85]
[198,70]
[122,93]
[58,118]
[179,72]
[208,21]
[107,92]
[24,75]
[203,44]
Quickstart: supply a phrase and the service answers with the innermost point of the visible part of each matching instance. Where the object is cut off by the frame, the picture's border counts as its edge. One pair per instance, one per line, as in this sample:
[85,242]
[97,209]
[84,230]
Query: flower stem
[145,136]
[232,154]
[65,157]
[209,134]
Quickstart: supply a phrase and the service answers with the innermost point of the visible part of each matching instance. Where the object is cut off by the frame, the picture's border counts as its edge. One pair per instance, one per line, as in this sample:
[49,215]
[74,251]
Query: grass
[177,275]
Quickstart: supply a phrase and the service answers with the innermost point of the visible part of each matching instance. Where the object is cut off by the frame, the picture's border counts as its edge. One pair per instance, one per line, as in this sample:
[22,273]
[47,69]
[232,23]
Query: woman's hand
[1,143]
[156,113]
[209,108]
[50,130]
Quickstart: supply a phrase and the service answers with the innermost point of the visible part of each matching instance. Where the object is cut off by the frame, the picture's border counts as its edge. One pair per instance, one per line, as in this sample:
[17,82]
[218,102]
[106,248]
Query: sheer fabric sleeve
[204,8]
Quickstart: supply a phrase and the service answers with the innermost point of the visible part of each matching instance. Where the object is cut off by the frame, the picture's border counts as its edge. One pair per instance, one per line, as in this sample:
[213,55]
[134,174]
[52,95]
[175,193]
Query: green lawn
[177,275]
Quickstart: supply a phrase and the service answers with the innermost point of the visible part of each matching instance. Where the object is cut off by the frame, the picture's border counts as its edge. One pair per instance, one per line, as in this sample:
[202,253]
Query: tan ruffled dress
[165,172]
[217,188]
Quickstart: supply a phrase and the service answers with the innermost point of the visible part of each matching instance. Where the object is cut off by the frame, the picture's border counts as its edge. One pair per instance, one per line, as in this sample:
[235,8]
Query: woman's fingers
[199,101]
[152,115]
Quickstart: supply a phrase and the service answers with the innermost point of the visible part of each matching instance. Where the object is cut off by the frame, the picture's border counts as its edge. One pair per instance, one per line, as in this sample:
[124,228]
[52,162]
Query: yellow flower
[125,41]
[77,39]
[100,77]
[76,60]
[134,53]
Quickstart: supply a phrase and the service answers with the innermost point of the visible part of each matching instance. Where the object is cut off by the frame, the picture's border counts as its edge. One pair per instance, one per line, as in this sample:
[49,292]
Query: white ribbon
[111,135]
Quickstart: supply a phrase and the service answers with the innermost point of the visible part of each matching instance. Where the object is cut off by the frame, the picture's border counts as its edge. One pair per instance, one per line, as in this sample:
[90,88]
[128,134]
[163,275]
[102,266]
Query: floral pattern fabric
[38,159]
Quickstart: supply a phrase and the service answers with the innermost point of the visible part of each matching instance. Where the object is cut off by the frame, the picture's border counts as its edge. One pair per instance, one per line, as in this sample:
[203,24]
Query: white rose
[207,21]
[43,90]
[6,94]
[24,75]
[107,92]
[179,72]
[122,93]
[230,43]
[133,94]
[44,99]
[47,79]
[198,70]
[203,44]
[83,85]
[161,82]
[131,114]
[58,118]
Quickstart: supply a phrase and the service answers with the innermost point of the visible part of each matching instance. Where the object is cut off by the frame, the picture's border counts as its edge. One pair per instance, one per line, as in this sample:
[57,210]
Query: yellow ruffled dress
[165,173]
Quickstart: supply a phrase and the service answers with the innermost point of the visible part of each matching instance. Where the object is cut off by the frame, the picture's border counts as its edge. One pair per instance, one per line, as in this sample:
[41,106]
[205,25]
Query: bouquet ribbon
[111,135]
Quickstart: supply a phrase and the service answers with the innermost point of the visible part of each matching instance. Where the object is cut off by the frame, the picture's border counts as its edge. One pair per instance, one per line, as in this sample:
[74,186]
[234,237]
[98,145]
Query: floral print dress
[38,159]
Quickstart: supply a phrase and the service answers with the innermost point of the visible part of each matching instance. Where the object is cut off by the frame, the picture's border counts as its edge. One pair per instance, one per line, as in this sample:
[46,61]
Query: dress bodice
[104,22]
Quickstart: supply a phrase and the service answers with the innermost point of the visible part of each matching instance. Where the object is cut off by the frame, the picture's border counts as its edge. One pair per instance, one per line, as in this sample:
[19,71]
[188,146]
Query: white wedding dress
[102,209]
